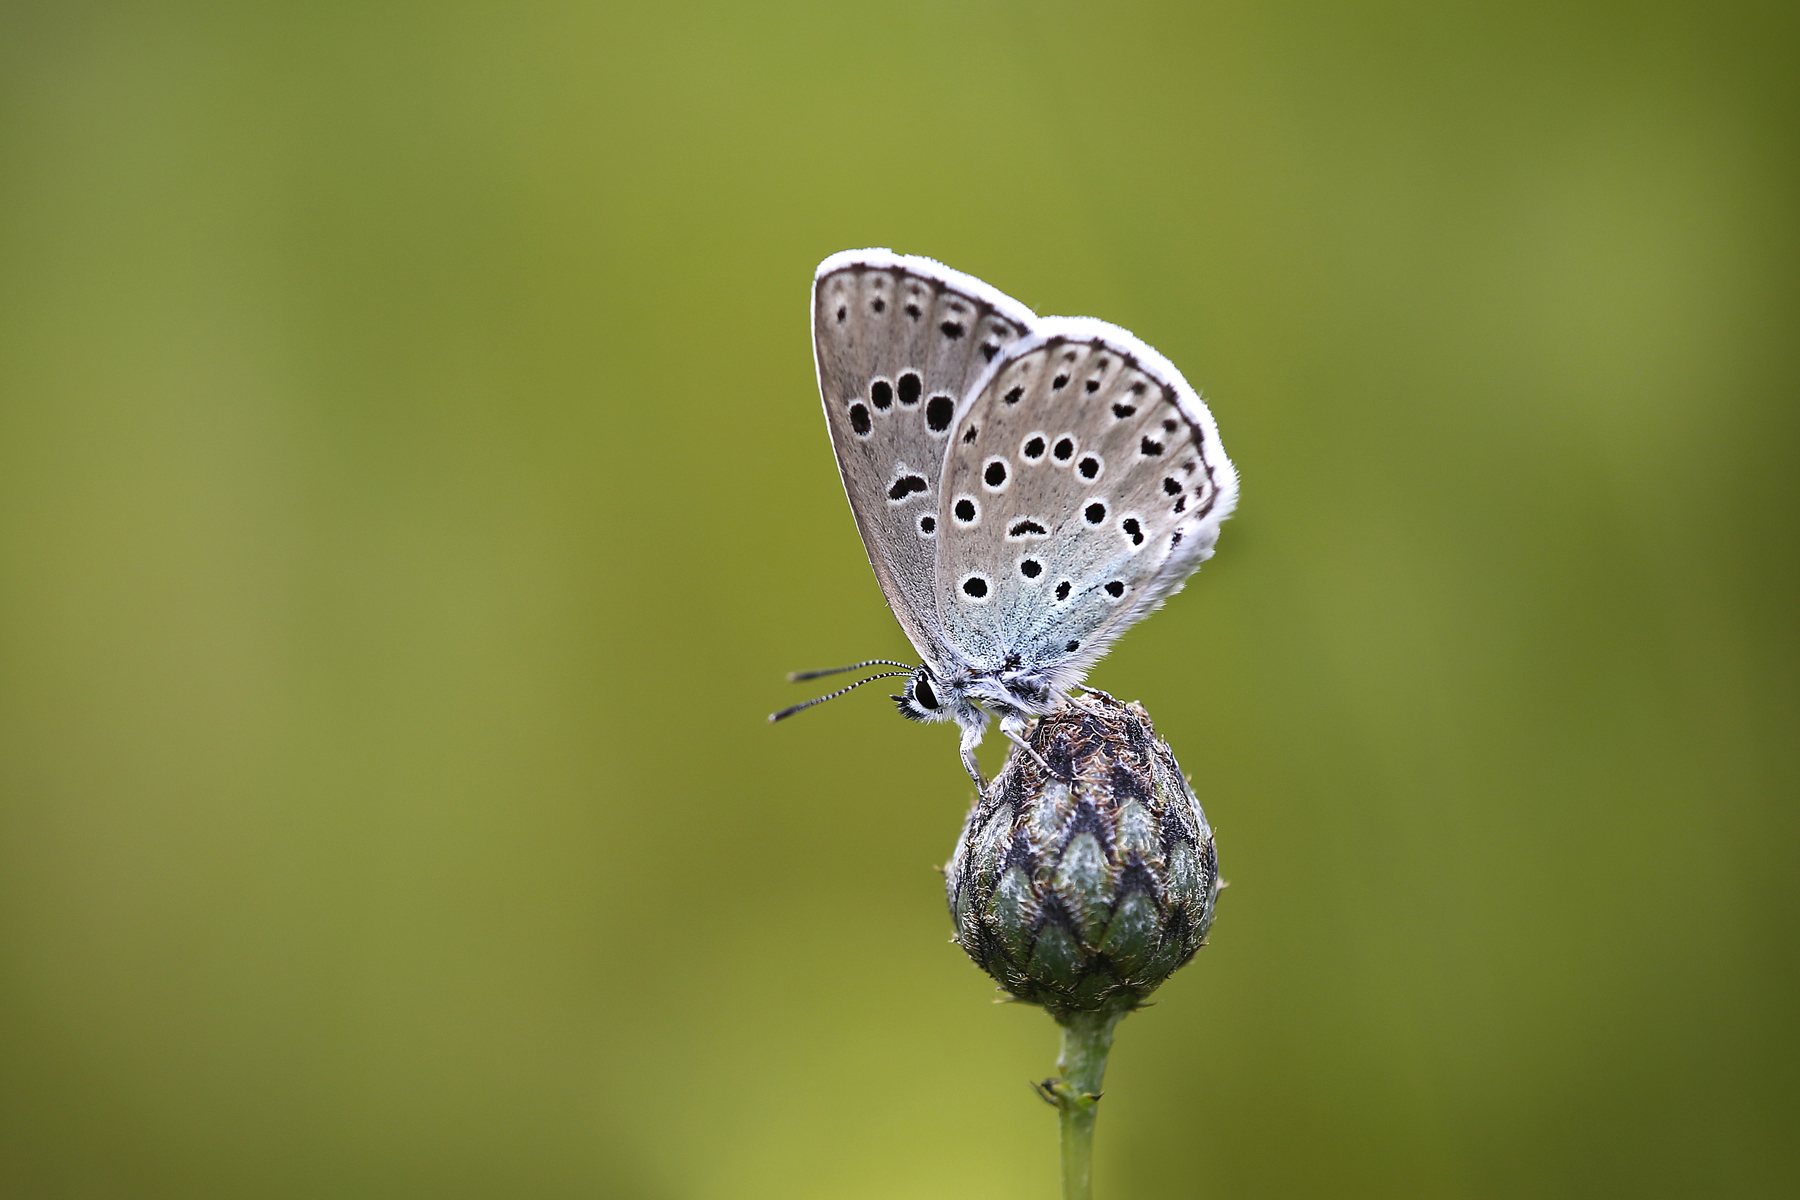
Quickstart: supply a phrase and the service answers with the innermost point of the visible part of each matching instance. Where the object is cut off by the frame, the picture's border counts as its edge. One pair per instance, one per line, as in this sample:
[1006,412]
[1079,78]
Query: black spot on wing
[905,486]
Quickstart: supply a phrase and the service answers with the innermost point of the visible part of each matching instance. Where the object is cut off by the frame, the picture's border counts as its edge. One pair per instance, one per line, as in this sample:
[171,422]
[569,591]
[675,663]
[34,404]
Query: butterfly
[1027,488]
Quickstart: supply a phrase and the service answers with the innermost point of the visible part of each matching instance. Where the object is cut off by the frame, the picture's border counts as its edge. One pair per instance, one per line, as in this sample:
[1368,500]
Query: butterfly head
[925,698]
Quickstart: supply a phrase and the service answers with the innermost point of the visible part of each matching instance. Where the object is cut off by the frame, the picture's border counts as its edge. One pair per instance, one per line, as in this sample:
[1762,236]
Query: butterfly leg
[1032,751]
[969,758]
[971,738]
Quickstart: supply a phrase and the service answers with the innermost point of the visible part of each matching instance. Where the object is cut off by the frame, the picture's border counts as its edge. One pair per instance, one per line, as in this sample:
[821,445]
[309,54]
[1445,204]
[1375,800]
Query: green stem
[1087,1036]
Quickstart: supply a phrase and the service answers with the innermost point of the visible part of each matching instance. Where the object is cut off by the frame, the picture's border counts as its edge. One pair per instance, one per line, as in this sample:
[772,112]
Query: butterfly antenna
[788,712]
[797,676]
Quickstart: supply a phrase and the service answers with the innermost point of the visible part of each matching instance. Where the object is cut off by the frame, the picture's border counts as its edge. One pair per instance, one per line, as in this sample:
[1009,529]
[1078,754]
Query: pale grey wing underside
[898,342]
[1085,482]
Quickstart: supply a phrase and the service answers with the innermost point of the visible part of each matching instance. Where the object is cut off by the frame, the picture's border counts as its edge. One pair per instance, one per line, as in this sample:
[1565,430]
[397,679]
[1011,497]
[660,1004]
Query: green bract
[1085,895]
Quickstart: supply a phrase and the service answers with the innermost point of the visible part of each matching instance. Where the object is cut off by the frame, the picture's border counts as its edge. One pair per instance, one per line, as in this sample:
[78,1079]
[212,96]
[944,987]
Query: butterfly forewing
[898,342]
[1084,483]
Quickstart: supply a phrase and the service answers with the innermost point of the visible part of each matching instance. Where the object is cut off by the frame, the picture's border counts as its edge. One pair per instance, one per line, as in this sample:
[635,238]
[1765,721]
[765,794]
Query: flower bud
[1085,895]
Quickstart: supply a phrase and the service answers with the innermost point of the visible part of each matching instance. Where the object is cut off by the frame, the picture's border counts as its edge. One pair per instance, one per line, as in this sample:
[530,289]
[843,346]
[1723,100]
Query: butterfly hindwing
[898,341]
[1084,483]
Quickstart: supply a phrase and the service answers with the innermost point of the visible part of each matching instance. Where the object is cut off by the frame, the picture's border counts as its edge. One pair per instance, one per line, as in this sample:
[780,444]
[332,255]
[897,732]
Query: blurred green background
[413,489]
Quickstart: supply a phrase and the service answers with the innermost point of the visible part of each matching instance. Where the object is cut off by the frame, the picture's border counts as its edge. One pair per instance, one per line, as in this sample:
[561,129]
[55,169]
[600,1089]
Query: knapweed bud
[1085,895]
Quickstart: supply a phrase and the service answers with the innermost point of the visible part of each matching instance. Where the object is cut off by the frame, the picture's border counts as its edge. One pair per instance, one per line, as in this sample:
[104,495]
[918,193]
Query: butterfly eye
[923,694]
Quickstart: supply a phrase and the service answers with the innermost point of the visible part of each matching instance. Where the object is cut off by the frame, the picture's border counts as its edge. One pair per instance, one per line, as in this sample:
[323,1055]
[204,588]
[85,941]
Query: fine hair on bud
[1083,893]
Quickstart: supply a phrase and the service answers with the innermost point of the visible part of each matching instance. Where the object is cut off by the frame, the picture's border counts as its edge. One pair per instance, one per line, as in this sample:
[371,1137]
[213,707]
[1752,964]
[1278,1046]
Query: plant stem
[1087,1036]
